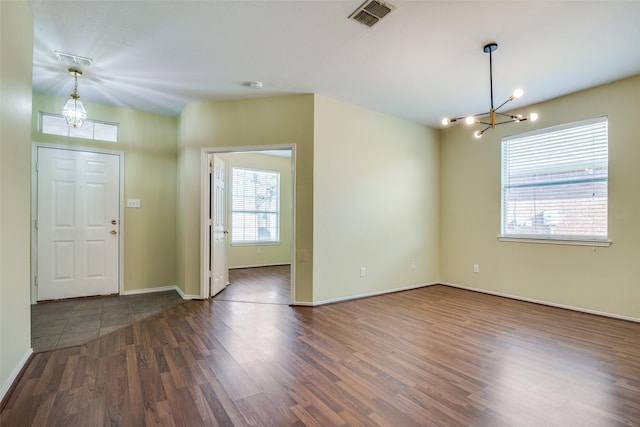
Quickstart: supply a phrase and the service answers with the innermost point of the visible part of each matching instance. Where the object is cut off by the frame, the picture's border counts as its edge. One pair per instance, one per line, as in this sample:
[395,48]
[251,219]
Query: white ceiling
[422,62]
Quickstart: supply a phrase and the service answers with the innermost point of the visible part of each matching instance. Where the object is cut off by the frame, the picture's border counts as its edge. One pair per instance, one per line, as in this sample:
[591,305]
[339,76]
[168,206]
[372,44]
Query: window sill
[255,243]
[545,240]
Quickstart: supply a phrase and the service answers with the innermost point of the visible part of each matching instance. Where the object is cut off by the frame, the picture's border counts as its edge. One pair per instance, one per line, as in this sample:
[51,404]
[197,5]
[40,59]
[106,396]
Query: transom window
[255,212]
[55,124]
[554,183]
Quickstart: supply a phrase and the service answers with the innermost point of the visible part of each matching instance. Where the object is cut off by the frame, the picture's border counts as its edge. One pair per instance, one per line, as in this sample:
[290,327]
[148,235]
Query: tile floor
[60,324]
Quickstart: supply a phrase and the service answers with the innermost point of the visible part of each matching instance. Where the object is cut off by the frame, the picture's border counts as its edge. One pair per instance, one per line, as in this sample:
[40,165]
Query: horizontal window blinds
[255,210]
[554,182]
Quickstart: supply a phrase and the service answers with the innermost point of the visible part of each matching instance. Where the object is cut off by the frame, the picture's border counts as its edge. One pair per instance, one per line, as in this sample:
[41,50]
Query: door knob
[114,232]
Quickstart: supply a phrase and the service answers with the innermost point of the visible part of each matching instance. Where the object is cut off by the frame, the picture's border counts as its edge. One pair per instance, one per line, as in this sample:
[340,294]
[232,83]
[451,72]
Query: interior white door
[78,223]
[219,269]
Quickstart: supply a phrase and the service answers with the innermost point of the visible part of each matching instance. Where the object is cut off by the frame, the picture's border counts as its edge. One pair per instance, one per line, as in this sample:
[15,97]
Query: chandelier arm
[507,121]
[479,133]
[507,115]
[476,115]
[455,119]
[503,104]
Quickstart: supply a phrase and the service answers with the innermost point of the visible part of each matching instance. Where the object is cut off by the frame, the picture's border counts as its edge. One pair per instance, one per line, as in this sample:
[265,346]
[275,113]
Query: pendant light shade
[73,111]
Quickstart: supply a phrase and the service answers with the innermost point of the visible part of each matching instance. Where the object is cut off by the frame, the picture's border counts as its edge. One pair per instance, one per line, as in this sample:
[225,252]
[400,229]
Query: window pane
[559,210]
[255,205]
[105,132]
[85,131]
[54,125]
[554,182]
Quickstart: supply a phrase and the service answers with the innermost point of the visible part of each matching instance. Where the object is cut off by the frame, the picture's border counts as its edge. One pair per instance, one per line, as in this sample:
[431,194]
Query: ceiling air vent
[371,12]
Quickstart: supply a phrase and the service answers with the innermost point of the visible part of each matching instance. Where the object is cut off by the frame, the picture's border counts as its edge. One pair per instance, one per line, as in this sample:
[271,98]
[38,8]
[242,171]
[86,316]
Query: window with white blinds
[255,211]
[554,182]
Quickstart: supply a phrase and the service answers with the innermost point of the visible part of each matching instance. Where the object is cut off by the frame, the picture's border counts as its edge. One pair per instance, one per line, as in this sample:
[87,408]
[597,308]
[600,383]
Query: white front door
[219,271]
[78,223]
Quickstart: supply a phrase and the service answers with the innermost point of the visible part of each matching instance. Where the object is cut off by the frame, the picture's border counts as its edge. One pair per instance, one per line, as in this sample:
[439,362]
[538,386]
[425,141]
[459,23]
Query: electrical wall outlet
[363,272]
[413,265]
[476,268]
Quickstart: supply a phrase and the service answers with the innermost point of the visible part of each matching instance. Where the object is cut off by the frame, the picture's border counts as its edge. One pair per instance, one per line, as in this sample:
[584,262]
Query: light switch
[133,203]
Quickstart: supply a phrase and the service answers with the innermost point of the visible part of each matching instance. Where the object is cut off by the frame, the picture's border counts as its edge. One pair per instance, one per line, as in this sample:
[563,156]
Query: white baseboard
[302,304]
[368,294]
[161,289]
[14,374]
[259,265]
[186,296]
[536,301]
[151,290]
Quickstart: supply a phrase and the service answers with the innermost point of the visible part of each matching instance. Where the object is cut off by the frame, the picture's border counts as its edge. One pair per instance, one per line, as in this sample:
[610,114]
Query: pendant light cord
[491,76]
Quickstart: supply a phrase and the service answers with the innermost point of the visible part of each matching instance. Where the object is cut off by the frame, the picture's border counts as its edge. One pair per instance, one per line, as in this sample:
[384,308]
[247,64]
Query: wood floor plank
[223,407]
[42,411]
[115,389]
[435,356]
[65,410]
[135,402]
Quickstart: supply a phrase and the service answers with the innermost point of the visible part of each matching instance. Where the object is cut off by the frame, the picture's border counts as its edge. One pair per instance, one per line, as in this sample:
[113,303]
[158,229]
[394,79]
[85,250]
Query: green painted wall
[16,64]
[376,202]
[598,279]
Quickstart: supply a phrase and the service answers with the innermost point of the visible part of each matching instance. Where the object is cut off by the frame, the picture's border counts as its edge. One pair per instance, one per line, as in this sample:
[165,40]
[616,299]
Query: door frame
[34,209]
[205,196]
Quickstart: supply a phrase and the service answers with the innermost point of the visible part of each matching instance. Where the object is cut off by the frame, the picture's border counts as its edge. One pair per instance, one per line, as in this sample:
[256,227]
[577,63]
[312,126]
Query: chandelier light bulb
[445,121]
[470,120]
[518,93]
[477,134]
[533,117]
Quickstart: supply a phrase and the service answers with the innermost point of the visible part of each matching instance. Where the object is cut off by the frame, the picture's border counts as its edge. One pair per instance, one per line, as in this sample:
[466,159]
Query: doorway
[259,285]
[77,223]
[210,204]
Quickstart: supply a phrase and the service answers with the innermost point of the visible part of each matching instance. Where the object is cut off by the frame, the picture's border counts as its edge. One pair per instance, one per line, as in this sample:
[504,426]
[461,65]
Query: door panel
[78,223]
[219,270]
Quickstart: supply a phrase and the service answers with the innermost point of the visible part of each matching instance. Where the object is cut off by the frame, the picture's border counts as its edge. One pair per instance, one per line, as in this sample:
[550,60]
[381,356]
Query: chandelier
[73,111]
[490,118]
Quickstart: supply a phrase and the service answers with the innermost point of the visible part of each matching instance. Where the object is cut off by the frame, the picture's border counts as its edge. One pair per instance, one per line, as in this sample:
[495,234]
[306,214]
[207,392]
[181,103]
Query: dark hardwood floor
[265,285]
[435,356]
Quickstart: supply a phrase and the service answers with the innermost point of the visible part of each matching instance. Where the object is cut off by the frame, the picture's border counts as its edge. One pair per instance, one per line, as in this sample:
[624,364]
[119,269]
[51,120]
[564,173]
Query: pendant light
[73,111]
[490,121]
